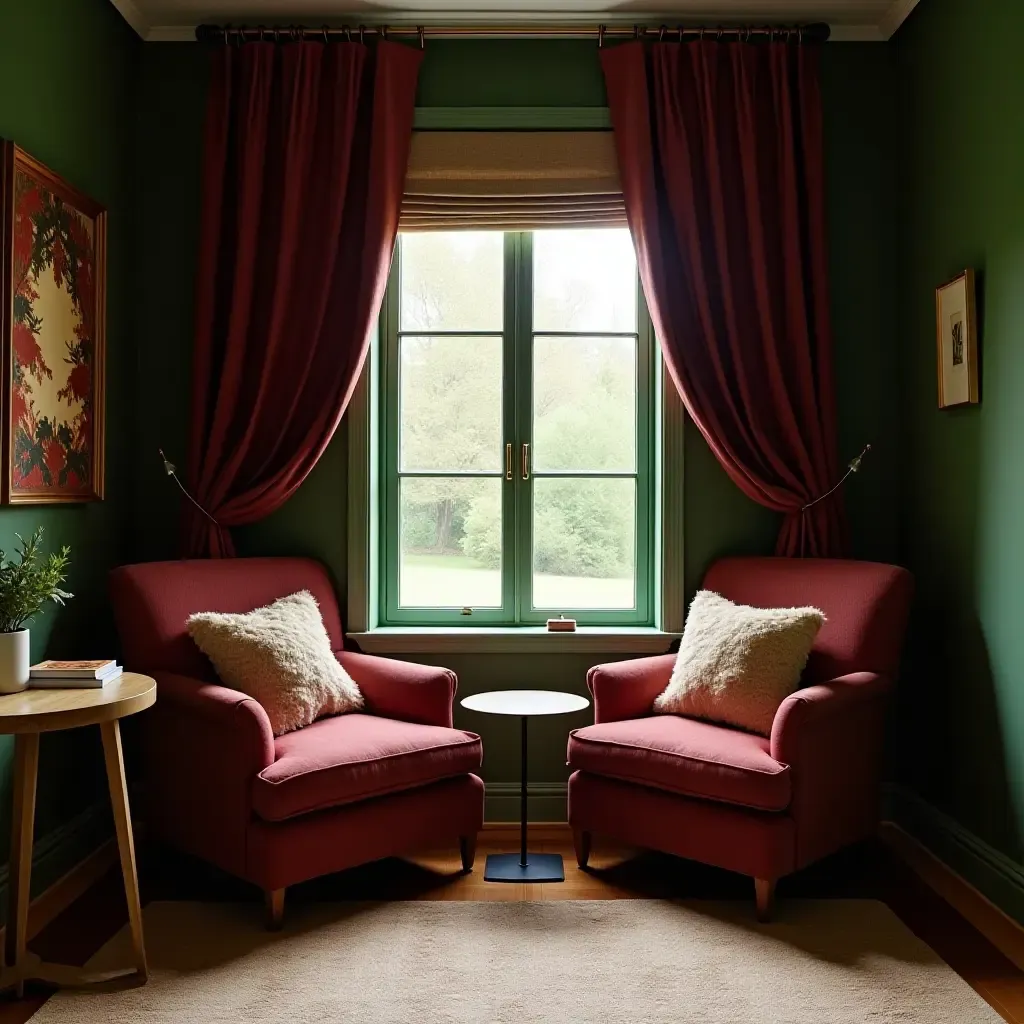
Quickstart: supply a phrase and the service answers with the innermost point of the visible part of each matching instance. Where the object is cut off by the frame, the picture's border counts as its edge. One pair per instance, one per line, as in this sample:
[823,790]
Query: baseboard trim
[546,802]
[65,863]
[978,881]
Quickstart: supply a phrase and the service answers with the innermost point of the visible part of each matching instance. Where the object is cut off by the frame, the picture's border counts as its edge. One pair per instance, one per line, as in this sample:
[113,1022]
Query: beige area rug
[636,961]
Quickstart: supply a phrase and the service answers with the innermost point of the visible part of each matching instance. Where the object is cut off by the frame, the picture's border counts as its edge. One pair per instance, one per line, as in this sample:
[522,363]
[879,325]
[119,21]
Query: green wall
[719,519]
[67,72]
[962,495]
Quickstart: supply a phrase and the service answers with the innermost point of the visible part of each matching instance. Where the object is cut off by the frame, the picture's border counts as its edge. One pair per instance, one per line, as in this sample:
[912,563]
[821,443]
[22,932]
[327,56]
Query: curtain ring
[361,30]
[661,34]
[636,32]
[348,34]
[600,36]
[421,34]
[384,33]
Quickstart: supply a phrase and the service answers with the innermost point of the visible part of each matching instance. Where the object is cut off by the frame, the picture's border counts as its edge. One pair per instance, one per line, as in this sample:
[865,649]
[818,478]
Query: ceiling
[157,20]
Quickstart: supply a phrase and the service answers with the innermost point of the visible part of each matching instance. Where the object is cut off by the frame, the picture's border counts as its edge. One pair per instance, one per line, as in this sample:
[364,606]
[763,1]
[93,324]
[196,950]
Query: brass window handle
[526,461]
[508,461]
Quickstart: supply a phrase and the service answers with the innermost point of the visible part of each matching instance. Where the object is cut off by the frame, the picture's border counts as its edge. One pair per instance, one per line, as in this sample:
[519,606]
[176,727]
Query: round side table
[26,715]
[524,867]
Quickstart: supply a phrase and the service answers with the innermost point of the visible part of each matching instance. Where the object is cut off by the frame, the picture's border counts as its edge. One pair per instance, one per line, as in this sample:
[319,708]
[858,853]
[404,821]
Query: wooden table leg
[125,844]
[26,768]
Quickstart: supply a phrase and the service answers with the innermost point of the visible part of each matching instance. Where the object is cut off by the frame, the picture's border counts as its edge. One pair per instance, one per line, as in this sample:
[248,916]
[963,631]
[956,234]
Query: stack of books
[72,675]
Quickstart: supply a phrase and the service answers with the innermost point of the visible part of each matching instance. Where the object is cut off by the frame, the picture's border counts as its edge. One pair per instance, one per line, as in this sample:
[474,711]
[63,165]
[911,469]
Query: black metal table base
[523,866]
[539,867]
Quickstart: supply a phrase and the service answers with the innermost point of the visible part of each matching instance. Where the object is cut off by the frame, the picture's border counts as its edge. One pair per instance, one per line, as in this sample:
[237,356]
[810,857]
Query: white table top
[525,702]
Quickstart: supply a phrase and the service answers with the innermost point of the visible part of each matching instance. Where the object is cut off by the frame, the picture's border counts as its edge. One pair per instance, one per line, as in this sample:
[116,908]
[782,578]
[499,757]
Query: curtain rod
[817,32]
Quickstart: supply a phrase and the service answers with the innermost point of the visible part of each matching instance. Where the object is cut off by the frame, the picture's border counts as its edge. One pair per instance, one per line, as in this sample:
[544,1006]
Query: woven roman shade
[511,181]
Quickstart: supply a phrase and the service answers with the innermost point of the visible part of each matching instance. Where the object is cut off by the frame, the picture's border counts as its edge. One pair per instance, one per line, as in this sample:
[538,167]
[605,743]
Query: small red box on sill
[561,625]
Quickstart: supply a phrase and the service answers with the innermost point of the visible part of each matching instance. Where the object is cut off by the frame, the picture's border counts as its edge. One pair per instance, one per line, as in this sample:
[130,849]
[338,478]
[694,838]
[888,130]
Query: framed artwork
[53,256]
[956,331]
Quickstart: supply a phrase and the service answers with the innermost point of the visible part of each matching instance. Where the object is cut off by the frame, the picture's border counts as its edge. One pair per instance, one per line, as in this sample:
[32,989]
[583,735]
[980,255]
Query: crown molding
[171,34]
[134,17]
[898,12]
[856,34]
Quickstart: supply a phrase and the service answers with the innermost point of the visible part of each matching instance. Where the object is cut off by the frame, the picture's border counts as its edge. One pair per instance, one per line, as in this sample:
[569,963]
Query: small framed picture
[956,332]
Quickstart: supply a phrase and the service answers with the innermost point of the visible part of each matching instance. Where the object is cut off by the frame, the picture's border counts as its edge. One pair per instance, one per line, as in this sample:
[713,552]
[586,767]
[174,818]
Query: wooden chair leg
[275,909]
[581,844]
[764,891]
[467,848]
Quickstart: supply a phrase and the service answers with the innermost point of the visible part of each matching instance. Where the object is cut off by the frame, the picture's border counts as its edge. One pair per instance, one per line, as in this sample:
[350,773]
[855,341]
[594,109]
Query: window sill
[513,640]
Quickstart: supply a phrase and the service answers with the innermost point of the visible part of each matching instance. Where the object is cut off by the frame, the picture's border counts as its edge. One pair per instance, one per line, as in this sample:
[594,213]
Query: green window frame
[517,336]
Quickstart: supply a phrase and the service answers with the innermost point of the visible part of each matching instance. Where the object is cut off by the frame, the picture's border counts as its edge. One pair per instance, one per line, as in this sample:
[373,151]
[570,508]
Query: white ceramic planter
[14,661]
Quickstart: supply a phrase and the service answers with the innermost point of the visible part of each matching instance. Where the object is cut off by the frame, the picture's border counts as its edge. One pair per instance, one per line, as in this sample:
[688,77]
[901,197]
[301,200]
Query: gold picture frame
[956,341]
[53,264]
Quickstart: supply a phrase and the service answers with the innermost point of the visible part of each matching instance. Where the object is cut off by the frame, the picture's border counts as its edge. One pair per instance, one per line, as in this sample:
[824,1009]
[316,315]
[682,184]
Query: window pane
[584,549]
[452,281]
[450,407]
[450,542]
[584,404]
[584,280]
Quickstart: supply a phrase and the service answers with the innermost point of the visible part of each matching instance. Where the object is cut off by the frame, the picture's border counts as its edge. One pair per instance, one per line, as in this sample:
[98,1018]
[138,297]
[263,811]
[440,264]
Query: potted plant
[27,582]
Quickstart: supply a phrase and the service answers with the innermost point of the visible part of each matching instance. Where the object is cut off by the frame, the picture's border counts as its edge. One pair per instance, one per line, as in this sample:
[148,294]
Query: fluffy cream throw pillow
[737,664]
[281,656]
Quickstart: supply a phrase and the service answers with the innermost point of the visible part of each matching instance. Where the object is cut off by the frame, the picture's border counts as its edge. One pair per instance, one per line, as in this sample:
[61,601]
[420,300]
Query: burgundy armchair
[276,811]
[762,806]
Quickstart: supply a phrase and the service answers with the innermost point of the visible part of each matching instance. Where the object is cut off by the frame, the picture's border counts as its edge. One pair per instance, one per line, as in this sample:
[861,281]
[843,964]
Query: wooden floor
[867,871]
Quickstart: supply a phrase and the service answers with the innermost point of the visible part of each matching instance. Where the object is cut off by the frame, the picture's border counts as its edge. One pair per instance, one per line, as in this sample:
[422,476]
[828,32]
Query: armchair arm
[402,689]
[203,745]
[218,707]
[831,735]
[626,689]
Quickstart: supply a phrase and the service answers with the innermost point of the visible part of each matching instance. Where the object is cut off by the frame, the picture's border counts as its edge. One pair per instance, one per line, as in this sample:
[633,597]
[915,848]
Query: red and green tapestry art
[54,264]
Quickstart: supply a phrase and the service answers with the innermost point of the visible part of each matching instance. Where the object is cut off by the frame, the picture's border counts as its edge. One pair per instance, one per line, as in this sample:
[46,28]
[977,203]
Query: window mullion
[524,423]
[510,490]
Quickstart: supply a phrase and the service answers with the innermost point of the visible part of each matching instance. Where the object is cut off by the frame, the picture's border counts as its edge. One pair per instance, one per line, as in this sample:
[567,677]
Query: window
[516,431]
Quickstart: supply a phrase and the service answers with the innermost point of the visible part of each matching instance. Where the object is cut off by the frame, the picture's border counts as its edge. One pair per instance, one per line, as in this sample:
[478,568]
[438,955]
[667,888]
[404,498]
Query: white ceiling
[156,20]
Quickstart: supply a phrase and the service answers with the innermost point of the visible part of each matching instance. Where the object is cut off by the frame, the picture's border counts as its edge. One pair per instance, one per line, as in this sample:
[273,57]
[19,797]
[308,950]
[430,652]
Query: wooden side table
[25,716]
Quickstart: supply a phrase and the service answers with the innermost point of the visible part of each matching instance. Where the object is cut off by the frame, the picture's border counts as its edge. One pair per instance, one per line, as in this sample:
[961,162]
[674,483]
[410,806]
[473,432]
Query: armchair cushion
[341,760]
[685,756]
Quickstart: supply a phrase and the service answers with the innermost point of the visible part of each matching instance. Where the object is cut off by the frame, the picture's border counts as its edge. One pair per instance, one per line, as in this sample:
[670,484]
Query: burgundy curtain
[306,151]
[720,152]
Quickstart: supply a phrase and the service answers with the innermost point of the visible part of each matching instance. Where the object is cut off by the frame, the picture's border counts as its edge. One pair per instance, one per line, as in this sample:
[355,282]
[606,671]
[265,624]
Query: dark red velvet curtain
[306,152]
[720,152]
